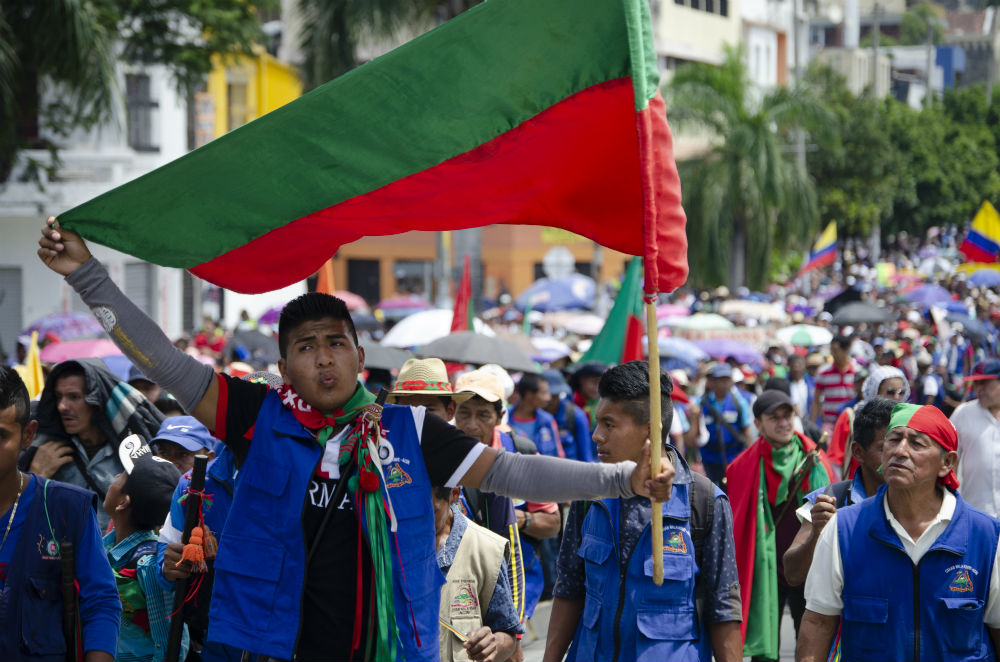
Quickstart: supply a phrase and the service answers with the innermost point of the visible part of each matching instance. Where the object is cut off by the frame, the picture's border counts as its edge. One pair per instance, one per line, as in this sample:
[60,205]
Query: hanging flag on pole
[324,280]
[982,244]
[567,130]
[621,338]
[462,317]
[824,251]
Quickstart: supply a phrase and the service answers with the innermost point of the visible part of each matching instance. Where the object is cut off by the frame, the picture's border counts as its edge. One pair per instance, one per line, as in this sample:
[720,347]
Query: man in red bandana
[912,572]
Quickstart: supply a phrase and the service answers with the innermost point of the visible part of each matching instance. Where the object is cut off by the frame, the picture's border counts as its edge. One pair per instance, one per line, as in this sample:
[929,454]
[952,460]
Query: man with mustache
[911,572]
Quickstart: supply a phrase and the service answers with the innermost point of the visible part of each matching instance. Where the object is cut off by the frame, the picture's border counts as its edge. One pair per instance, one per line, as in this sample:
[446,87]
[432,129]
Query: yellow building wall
[269,84]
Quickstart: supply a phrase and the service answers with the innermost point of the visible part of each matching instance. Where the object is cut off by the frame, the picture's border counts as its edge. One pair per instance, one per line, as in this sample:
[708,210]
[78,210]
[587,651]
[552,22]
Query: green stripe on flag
[645,72]
[607,346]
[449,91]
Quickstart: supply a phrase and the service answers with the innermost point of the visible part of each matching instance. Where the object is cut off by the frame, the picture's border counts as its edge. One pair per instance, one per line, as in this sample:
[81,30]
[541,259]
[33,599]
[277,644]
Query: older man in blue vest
[910,574]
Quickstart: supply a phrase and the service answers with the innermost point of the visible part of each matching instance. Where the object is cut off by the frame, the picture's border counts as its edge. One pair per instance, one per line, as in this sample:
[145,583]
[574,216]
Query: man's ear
[124,503]
[28,434]
[948,463]
[451,409]
[281,370]
[857,452]
[361,359]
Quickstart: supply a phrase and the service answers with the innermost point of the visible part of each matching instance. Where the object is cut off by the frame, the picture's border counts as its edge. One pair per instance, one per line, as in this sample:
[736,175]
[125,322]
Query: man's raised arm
[142,341]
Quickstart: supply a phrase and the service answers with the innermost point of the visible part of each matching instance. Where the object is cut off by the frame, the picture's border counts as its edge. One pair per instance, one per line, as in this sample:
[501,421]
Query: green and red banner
[535,112]
[620,340]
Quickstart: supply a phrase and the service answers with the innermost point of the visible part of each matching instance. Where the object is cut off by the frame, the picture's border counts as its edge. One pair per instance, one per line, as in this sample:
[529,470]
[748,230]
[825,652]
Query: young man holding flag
[295,576]
[766,484]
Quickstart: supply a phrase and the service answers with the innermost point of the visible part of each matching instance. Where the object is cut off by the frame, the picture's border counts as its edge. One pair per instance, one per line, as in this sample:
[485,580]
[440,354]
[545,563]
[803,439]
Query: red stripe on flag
[974,253]
[574,166]
[632,350]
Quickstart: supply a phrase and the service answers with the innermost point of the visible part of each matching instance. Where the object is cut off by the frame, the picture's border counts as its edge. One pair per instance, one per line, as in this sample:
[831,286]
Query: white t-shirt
[825,582]
[978,456]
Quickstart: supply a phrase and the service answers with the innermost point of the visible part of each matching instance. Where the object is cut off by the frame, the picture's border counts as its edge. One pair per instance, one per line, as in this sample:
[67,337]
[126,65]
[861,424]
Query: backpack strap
[702,500]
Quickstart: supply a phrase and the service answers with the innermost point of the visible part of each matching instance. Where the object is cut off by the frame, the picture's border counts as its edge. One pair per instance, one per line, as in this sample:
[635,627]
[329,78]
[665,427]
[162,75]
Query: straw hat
[423,377]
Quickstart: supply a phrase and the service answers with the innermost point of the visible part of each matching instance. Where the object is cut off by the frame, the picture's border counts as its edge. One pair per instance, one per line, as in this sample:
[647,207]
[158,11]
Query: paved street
[534,647]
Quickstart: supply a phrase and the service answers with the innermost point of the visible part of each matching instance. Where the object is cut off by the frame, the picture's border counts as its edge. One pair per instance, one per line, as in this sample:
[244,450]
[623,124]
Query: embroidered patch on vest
[465,598]
[674,542]
[396,477]
[48,549]
[961,583]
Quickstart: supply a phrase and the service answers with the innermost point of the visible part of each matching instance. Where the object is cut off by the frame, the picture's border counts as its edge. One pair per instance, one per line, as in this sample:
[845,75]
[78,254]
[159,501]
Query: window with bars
[141,113]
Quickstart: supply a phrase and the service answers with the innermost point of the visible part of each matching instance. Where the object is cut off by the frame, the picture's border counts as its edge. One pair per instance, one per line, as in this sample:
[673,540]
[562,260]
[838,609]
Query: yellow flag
[31,371]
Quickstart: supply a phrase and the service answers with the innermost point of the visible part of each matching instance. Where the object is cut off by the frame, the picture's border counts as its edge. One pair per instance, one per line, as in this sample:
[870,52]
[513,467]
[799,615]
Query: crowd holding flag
[824,251]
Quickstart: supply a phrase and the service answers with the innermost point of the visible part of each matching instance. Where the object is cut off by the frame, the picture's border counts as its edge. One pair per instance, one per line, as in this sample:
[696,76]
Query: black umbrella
[261,349]
[477,349]
[385,358]
[842,299]
[860,312]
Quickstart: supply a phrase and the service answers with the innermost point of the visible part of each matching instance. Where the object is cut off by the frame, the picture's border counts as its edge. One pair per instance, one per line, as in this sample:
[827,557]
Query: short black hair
[628,384]
[13,393]
[496,404]
[841,341]
[309,308]
[442,493]
[530,383]
[778,384]
[874,415]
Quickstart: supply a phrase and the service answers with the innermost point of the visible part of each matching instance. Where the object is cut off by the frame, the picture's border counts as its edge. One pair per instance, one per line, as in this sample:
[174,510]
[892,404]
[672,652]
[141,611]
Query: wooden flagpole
[655,436]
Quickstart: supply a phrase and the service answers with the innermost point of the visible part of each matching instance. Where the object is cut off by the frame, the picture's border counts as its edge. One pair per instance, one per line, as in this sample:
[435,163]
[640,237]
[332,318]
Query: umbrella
[935,265]
[985,278]
[477,349]
[672,310]
[804,335]
[957,307]
[928,294]
[971,326]
[399,307]
[566,293]
[842,298]
[859,312]
[722,348]
[353,301]
[271,315]
[424,327]
[78,349]
[679,349]
[119,365]
[549,349]
[700,321]
[580,323]
[66,326]
[257,348]
[384,358]
[755,309]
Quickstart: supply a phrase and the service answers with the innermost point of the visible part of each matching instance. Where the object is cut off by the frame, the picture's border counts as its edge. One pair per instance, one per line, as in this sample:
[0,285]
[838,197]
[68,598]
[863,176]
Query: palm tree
[332,28]
[67,43]
[745,197]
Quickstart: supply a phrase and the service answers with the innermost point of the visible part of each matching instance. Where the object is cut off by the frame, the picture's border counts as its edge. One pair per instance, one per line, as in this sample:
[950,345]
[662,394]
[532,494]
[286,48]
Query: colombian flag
[983,241]
[530,112]
[824,251]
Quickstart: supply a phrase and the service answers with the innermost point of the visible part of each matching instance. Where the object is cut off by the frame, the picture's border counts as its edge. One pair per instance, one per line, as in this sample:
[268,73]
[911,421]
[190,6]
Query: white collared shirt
[825,582]
[978,456]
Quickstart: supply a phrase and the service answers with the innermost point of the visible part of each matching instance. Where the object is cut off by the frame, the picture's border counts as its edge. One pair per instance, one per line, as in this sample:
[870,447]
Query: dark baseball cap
[771,401]
[151,480]
[557,385]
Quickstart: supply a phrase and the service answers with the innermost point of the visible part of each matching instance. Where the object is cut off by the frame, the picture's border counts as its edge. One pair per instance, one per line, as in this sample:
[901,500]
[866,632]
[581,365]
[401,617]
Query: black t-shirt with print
[330,592]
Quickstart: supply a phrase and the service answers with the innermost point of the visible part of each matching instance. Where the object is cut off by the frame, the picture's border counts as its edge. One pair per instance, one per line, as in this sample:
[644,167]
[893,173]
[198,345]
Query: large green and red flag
[537,112]
[620,339]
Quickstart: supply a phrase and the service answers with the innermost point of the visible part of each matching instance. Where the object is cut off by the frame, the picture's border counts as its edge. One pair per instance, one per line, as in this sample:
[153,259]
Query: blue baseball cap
[557,385]
[720,371]
[186,431]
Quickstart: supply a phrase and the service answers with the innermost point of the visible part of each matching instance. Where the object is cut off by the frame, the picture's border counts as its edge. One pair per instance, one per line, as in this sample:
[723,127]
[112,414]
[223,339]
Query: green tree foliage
[71,48]
[917,21]
[745,198]
[903,168]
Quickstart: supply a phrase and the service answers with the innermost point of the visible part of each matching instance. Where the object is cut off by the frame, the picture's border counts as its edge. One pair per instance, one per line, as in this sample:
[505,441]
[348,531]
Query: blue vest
[31,624]
[543,432]
[655,622]
[894,610]
[261,565]
[730,409]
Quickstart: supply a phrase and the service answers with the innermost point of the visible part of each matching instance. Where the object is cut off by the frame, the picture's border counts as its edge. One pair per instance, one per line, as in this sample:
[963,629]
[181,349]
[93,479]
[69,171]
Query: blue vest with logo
[894,610]
[729,408]
[543,432]
[31,623]
[261,564]
[655,622]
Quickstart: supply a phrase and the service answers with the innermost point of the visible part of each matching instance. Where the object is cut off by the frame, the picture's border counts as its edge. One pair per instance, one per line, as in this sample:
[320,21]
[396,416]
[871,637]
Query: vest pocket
[962,626]
[596,551]
[41,617]
[251,576]
[678,575]
[673,624]
[588,632]
[865,620]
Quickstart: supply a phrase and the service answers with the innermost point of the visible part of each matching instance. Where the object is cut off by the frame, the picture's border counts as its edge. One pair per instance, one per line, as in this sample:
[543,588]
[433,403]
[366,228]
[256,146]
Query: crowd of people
[430,521]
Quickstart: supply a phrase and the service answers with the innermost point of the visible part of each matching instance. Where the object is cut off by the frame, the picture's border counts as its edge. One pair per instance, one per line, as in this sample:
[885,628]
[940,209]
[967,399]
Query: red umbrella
[79,349]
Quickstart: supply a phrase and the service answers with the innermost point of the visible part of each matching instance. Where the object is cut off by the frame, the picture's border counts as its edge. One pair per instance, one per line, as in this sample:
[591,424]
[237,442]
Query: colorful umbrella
[549,349]
[722,348]
[985,278]
[927,295]
[79,349]
[679,349]
[672,310]
[700,321]
[353,301]
[398,308]
[424,327]
[66,326]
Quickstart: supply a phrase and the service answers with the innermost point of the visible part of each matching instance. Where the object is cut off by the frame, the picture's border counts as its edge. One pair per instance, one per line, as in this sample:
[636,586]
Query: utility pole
[930,60]
[876,32]
[991,71]
[800,136]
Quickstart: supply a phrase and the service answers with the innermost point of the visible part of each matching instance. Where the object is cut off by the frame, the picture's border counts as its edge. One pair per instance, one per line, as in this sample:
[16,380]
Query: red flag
[324,283]
[461,319]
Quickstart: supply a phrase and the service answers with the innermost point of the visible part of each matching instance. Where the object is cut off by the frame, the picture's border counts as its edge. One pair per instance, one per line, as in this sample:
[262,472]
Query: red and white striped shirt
[834,387]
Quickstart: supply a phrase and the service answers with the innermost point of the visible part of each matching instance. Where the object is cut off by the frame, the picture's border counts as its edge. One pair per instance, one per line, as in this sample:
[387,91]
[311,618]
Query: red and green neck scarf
[371,502]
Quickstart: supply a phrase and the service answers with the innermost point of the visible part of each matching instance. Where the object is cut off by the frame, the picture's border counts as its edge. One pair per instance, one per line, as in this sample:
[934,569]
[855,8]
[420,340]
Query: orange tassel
[193,550]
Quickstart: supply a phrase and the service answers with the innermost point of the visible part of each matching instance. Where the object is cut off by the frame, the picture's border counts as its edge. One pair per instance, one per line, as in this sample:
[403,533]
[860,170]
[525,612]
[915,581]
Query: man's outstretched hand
[62,251]
[655,488]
